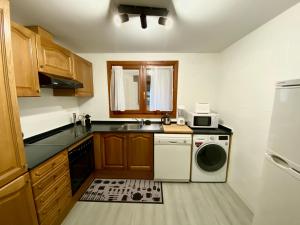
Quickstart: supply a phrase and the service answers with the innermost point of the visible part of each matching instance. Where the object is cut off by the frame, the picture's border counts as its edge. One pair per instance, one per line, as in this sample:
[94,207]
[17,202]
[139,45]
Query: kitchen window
[142,88]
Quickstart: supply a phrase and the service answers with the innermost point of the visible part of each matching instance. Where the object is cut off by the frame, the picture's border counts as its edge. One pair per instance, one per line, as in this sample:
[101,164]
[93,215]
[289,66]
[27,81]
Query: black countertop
[41,147]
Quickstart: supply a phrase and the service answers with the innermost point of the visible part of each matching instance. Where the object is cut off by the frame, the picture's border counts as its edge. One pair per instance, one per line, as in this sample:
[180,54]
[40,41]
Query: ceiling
[198,25]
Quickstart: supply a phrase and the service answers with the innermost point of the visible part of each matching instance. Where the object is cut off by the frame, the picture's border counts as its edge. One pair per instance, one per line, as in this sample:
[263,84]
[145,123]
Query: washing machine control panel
[198,143]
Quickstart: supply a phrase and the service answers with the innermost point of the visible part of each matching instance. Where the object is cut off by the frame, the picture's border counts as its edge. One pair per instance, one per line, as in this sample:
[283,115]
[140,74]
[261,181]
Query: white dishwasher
[172,157]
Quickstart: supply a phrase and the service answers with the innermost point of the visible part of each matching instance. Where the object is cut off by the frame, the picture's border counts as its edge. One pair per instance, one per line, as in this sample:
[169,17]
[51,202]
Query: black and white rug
[124,190]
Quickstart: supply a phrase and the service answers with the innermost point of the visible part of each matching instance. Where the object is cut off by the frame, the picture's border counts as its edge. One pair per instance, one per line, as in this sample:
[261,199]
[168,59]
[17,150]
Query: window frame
[141,65]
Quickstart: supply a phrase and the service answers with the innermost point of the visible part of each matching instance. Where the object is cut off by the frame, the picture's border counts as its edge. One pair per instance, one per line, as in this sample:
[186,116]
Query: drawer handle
[38,174]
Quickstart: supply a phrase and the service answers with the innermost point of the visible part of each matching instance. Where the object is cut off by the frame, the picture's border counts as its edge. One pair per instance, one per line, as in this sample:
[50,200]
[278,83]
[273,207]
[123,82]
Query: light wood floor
[184,204]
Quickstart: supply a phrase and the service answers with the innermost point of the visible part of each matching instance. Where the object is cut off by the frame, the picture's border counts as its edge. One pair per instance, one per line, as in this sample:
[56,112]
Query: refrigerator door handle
[281,163]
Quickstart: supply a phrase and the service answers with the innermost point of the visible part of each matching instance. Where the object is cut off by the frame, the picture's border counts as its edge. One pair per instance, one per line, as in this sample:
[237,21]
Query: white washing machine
[209,158]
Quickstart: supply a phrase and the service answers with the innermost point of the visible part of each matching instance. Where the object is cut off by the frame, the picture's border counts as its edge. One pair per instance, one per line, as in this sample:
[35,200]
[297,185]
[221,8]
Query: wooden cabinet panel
[84,74]
[121,155]
[42,185]
[16,202]
[12,157]
[140,152]
[47,167]
[52,189]
[54,59]
[24,48]
[113,151]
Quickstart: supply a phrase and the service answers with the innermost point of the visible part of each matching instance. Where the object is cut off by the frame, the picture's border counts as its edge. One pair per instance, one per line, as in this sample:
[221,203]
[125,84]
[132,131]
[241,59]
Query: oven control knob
[226,143]
[212,138]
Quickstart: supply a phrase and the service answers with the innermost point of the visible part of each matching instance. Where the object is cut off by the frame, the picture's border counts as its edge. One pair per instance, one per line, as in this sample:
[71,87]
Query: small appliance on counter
[202,108]
[166,120]
[88,123]
[180,115]
[202,120]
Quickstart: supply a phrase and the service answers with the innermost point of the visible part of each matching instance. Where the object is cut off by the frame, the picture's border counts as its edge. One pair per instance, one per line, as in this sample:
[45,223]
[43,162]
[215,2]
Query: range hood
[50,81]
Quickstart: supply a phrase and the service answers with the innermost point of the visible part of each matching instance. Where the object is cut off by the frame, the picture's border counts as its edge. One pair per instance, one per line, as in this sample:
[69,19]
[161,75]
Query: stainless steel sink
[136,126]
[132,126]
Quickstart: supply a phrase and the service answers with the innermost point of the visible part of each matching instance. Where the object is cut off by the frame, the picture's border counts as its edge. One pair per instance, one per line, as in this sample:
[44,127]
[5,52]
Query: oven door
[81,163]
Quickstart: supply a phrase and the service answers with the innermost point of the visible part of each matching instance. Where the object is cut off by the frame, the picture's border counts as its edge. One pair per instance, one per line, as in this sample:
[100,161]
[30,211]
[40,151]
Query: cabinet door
[16,203]
[25,60]
[140,152]
[54,59]
[12,158]
[113,147]
[84,74]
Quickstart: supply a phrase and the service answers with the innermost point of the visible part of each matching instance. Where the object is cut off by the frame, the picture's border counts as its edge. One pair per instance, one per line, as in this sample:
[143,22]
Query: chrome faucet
[141,122]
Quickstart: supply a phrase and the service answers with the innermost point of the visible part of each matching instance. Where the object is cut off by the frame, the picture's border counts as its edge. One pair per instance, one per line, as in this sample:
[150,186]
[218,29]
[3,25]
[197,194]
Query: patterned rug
[124,190]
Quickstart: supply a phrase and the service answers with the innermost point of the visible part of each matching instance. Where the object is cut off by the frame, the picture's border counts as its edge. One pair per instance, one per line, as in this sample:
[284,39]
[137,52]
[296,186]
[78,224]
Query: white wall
[197,77]
[40,114]
[250,68]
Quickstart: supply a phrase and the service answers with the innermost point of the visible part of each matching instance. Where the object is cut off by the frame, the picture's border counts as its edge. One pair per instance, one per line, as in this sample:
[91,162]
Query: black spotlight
[162,20]
[124,17]
[143,21]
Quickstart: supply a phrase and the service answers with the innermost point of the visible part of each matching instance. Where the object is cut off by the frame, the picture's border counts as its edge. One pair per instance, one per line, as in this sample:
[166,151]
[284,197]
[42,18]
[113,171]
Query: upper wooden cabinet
[16,202]
[54,59]
[83,73]
[12,156]
[24,46]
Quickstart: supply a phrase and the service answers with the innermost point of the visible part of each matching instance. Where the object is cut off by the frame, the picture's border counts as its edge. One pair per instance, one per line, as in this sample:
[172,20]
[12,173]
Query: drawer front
[51,178]
[55,190]
[47,167]
[55,207]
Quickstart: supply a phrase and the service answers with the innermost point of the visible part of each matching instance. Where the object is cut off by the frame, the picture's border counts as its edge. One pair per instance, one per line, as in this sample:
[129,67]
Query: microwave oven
[203,120]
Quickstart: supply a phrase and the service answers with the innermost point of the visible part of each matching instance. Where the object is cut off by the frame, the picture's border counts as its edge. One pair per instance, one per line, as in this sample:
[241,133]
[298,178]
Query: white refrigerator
[279,201]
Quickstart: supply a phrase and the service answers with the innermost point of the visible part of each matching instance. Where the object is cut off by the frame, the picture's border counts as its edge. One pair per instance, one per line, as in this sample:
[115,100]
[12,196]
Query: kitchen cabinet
[140,151]
[24,46]
[51,186]
[83,72]
[16,202]
[113,151]
[124,155]
[54,59]
[12,156]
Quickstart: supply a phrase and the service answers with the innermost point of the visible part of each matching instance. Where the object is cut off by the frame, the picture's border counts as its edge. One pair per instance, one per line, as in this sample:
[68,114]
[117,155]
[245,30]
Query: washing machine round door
[211,157]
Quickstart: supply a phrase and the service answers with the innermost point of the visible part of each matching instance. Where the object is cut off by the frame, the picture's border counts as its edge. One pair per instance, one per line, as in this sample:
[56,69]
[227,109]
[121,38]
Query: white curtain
[117,94]
[161,88]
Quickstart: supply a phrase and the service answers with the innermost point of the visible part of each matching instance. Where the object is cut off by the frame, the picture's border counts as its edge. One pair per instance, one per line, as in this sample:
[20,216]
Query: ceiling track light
[124,17]
[162,20]
[143,21]
[143,12]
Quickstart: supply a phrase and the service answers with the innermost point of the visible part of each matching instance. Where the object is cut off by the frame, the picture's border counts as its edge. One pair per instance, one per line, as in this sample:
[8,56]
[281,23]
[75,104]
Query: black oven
[81,162]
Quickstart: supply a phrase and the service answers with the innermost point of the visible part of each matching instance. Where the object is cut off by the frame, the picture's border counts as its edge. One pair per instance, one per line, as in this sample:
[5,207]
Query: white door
[284,138]
[279,201]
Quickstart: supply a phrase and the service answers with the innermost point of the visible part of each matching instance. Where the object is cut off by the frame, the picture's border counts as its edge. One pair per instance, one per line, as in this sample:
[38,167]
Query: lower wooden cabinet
[16,203]
[113,151]
[120,155]
[140,151]
[52,189]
